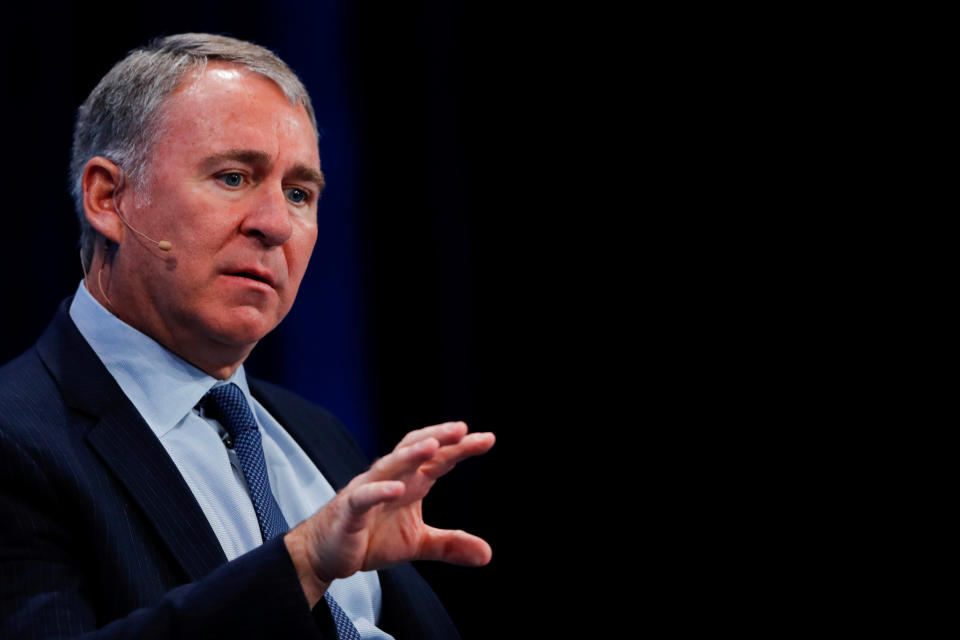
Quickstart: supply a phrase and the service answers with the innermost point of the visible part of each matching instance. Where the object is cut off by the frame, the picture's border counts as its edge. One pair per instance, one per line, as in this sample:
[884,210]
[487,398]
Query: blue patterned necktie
[227,405]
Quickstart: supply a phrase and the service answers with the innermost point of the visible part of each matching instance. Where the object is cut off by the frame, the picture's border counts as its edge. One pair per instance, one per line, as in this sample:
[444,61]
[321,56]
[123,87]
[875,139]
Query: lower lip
[248,282]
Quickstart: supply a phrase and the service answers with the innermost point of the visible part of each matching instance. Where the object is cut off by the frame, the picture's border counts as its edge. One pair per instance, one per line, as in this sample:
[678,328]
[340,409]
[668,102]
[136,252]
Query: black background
[458,220]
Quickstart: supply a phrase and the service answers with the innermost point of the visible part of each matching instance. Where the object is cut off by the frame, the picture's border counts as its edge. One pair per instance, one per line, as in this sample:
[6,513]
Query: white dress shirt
[165,389]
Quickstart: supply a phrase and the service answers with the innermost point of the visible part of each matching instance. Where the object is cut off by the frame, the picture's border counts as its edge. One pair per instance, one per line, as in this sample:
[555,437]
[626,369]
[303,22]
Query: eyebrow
[253,157]
[308,174]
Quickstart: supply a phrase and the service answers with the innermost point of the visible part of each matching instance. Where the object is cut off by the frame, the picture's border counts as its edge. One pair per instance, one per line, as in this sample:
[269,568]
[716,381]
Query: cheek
[300,250]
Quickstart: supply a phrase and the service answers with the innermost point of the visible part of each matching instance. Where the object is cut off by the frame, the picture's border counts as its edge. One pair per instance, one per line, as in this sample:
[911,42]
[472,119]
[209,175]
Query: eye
[297,195]
[232,179]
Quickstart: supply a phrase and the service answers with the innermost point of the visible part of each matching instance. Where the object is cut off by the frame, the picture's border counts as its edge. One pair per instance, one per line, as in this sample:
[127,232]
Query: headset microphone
[163,245]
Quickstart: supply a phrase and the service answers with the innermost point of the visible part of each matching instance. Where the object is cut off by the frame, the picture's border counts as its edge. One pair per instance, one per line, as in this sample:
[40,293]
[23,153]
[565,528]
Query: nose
[269,219]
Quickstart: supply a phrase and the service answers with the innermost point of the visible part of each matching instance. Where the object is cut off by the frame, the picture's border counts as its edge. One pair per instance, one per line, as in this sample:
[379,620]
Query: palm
[377,520]
[398,529]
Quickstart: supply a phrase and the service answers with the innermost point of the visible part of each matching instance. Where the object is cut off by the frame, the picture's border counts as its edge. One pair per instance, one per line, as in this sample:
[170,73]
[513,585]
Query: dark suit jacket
[99,532]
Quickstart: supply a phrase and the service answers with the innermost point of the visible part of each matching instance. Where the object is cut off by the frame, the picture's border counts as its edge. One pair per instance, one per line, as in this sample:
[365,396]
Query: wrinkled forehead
[225,110]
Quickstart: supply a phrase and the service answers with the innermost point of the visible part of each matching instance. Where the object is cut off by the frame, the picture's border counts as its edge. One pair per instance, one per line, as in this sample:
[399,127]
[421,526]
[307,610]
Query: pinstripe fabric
[95,522]
[162,388]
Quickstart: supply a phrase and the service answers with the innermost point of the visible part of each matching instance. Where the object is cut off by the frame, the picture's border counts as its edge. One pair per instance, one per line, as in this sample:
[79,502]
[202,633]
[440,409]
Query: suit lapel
[129,448]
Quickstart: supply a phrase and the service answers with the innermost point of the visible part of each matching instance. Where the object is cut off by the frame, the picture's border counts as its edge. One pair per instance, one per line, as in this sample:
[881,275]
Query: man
[146,488]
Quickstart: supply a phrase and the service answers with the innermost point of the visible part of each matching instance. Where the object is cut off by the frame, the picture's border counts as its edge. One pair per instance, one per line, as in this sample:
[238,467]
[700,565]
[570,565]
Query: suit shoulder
[25,384]
[26,364]
[33,417]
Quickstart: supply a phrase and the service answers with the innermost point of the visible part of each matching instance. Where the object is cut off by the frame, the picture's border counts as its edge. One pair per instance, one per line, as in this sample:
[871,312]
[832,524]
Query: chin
[244,327]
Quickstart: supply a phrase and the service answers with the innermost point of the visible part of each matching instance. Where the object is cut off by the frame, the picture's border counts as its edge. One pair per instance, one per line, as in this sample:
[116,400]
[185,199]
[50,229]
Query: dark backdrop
[447,282]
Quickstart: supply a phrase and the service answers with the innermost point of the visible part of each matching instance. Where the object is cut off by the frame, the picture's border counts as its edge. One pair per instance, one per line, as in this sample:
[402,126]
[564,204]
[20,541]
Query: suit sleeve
[44,592]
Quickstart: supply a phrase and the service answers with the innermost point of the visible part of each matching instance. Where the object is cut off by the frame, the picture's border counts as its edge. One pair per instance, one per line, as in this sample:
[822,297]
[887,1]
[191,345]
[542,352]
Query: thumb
[455,547]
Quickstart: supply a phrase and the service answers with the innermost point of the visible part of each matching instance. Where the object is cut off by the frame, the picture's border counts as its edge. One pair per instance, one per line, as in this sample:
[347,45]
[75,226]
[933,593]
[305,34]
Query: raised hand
[377,519]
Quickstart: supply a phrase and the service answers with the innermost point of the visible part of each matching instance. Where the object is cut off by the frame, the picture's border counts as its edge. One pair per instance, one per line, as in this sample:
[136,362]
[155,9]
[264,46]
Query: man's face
[233,182]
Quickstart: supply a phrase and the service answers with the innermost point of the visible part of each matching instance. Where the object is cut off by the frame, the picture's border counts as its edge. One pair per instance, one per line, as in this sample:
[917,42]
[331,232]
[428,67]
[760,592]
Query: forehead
[225,106]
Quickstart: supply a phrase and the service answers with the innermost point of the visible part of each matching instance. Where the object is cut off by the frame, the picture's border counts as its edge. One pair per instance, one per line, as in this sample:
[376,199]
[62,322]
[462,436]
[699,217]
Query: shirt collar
[163,387]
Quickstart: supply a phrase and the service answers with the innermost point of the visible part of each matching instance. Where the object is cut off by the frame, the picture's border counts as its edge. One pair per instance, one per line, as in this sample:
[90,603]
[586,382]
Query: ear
[101,182]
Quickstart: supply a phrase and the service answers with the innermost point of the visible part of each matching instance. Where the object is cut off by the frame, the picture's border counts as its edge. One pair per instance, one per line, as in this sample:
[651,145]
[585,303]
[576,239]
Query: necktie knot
[227,405]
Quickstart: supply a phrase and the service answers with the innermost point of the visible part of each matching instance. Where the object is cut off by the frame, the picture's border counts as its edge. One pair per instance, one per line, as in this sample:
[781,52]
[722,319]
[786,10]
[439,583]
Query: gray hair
[119,119]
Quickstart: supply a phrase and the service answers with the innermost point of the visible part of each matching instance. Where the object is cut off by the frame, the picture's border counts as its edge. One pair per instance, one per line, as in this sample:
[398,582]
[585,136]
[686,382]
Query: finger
[455,547]
[370,495]
[448,457]
[445,433]
[402,461]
